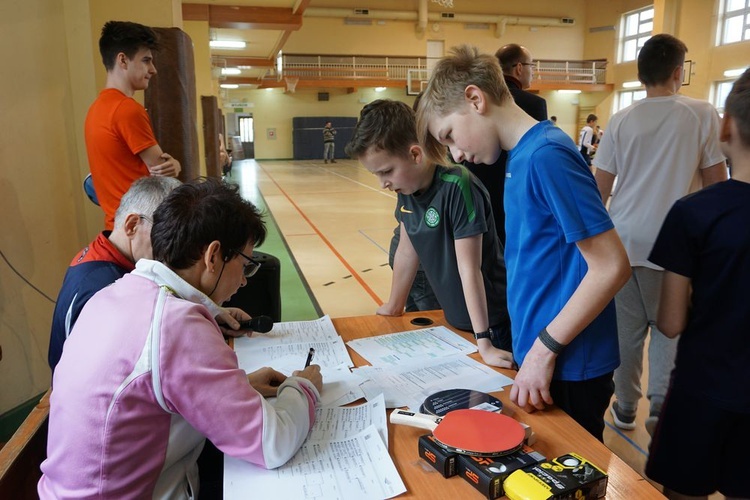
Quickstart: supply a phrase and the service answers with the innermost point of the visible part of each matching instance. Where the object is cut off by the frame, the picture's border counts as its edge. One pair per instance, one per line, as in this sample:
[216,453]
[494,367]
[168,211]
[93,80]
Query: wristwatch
[483,335]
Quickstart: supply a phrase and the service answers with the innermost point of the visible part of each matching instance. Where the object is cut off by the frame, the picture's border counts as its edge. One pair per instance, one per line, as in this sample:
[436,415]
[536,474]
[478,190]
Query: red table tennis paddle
[468,432]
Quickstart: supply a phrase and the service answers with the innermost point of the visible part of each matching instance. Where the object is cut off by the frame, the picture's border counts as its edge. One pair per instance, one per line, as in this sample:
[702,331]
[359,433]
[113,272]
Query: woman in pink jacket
[146,374]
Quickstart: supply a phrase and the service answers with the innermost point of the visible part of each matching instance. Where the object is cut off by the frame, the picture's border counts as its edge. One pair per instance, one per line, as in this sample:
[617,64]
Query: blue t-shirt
[704,238]
[551,202]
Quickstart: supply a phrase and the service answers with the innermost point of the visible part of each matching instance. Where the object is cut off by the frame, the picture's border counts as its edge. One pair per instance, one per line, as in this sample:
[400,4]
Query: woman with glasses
[147,376]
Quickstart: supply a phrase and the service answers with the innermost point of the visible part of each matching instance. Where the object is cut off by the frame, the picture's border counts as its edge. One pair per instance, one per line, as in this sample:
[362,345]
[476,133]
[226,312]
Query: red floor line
[343,261]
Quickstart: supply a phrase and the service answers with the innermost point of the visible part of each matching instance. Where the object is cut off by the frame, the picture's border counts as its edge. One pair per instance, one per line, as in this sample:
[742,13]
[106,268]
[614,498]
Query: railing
[415,70]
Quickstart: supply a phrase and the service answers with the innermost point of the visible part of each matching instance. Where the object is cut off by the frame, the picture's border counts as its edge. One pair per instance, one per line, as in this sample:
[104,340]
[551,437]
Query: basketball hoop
[291,83]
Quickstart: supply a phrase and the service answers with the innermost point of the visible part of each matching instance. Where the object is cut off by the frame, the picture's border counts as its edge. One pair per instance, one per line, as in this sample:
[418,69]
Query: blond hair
[445,93]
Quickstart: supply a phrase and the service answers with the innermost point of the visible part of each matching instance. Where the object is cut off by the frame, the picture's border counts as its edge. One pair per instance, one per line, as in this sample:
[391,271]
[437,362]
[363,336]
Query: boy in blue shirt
[565,261]
[446,225]
[703,247]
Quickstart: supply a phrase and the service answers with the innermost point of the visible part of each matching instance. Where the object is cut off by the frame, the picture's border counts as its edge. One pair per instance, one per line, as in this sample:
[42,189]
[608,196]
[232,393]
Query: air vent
[323,96]
[361,12]
[447,15]
[567,20]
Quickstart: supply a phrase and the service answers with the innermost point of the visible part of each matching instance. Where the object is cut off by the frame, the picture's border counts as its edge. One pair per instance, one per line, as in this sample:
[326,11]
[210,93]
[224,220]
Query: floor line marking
[626,438]
[341,258]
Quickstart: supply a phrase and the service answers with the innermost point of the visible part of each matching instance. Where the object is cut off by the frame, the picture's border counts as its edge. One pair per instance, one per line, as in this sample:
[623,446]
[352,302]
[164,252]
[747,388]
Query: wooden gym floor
[337,223]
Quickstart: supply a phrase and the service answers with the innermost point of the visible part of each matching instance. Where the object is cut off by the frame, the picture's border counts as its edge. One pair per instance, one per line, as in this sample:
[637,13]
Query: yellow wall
[204,82]
[53,74]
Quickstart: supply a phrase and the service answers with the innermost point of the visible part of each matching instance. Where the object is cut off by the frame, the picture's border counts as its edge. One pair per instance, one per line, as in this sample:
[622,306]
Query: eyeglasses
[251,267]
[526,64]
[147,219]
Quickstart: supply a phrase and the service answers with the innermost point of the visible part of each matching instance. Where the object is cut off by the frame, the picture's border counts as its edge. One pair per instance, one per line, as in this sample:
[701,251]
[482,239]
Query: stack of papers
[345,457]
[410,366]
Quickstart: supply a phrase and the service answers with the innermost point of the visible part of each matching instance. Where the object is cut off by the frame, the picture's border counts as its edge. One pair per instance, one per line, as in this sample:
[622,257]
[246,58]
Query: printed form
[350,461]
[403,347]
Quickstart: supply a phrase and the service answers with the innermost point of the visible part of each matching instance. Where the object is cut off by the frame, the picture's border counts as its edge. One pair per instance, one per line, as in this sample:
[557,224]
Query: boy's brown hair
[386,125]
[463,66]
[737,106]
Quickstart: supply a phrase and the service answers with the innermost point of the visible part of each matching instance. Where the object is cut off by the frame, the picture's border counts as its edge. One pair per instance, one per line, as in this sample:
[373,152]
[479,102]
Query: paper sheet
[410,385]
[404,347]
[252,355]
[345,464]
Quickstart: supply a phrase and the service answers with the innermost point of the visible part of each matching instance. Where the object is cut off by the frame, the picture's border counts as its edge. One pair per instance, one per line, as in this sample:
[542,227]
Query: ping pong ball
[570,462]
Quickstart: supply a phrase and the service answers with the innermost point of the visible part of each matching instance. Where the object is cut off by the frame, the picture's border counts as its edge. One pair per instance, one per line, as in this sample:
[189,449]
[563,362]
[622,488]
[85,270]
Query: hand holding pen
[311,372]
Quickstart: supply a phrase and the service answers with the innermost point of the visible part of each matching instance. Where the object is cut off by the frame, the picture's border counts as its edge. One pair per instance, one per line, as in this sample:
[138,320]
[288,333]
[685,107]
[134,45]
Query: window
[627,97]
[635,29]
[246,128]
[719,94]
[734,22]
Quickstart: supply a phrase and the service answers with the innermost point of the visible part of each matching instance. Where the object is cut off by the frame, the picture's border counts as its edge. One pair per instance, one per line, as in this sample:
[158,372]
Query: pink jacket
[144,376]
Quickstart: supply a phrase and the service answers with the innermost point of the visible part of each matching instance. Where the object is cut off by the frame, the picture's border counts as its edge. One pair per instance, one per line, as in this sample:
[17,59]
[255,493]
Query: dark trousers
[585,401]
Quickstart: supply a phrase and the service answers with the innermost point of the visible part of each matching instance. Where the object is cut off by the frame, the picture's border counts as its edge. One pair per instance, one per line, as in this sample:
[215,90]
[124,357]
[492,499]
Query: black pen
[310,355]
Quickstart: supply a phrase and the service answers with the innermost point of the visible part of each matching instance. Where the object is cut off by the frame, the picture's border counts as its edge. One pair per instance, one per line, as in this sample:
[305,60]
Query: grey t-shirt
[455,206]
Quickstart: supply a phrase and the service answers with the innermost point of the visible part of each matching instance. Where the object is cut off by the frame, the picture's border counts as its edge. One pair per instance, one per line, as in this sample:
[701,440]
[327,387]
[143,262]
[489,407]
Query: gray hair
[143,197]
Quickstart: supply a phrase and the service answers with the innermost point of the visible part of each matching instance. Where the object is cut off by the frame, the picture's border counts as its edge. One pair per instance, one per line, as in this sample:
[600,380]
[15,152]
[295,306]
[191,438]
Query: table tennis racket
[443,402]
[468,432]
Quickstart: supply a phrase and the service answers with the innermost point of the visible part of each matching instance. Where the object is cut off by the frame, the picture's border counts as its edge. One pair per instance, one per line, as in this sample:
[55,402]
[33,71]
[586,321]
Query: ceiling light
[229,86]
[379,89]
[631,85]
[231,71]
[227,44]
[569,91]
[732,73]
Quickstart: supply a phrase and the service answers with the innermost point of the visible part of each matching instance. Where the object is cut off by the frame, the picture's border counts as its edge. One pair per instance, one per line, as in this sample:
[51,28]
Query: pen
[310,355]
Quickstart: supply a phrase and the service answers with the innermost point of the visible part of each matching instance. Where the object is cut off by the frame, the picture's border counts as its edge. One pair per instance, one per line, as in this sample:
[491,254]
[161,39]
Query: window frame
[723,17]
[619,95]
[638,37]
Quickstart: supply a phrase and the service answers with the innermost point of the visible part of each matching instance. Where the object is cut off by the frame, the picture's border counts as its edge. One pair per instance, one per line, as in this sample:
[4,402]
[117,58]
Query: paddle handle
[413,419]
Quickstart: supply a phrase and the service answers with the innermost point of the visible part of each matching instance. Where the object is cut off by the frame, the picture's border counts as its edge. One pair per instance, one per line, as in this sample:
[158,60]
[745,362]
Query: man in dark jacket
[517,65]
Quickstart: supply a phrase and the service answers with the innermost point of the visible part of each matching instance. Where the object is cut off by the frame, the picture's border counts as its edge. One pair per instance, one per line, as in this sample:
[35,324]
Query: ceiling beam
[236,17]
[234,61]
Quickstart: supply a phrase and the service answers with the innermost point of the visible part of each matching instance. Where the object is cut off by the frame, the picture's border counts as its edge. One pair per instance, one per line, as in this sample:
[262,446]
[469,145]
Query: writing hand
[311,373]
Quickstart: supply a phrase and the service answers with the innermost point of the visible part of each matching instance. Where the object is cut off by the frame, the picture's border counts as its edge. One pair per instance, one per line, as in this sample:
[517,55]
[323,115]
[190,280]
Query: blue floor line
[626,438]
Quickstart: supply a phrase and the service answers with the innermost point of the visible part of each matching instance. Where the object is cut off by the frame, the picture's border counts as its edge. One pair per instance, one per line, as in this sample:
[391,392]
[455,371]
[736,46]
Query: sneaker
[622,420]
[652,420]
[333,161]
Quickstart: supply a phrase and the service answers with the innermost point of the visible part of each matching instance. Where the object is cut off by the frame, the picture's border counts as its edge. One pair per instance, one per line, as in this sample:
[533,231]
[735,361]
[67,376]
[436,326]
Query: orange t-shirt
[117,129]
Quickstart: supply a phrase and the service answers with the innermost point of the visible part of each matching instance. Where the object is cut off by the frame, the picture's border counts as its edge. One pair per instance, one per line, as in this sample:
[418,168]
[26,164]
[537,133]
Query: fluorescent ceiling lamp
[732,73]
[231,71]
[229,86]
[569,91]
[227,44]
[379,89]
[631,85]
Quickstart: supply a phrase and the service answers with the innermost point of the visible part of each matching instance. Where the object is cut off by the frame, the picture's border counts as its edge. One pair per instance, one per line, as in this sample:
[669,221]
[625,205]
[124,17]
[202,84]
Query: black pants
[211,472]
[585,401]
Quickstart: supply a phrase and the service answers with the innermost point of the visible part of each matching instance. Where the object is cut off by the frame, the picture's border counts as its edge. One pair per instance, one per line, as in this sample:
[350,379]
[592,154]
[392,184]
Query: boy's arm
[608,271]
[604,181]
[674,304]
[469,260]
[159,162]
[405,265]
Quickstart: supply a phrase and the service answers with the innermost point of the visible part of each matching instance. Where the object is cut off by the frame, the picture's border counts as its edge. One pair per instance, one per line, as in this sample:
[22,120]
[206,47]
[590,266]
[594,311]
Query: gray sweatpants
[637,306]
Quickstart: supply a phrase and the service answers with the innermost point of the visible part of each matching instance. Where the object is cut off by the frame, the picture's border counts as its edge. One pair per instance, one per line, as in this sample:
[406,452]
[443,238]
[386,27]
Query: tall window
[627,97]
[719,94]
[246,128]
[635,29]
[734,22]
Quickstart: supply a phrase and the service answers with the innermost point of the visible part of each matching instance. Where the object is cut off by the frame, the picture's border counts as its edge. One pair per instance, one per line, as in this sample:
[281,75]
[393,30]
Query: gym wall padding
[170,100]
[307,135]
